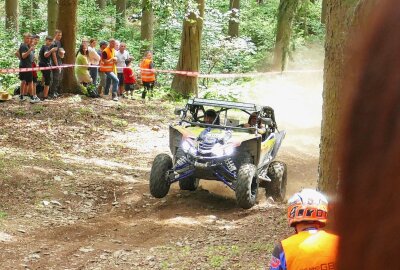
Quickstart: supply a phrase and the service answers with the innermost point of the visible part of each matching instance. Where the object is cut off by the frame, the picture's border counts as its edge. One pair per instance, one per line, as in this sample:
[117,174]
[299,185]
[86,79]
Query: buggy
[228,150]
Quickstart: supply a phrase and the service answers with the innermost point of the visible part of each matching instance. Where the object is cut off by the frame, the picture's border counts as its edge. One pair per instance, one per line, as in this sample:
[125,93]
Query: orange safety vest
[108,67]
[309,250]
[147,75]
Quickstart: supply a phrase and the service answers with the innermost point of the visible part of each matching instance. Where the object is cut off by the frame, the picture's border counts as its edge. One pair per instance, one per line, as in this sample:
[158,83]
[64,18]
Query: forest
[89,183]
[248,38]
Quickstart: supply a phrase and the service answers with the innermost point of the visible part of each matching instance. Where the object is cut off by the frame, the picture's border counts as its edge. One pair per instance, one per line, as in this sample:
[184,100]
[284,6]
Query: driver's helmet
[308,205]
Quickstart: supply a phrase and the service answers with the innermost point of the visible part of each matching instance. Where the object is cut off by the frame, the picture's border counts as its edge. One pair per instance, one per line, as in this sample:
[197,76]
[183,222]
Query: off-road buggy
[227,150]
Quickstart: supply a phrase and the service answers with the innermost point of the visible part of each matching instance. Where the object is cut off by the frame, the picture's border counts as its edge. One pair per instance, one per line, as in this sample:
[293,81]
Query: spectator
[147,74]
[44,61]
[122,55]
[81,71]
[34,97]
[94,59]
[24,53]
[56,60]
[107,65]
[103,44]
[129,79]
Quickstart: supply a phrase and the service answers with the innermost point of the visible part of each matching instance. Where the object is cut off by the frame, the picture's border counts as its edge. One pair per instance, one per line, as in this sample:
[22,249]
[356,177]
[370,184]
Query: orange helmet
[307,206]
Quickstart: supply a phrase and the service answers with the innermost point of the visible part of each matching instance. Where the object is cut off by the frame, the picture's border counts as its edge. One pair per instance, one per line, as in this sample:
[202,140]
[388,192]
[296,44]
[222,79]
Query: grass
[37,108]
[86,111]
[3,214]
[119,122]
[20,112]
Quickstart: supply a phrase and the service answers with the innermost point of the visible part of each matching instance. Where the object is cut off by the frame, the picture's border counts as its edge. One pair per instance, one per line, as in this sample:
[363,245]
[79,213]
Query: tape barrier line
[183,73]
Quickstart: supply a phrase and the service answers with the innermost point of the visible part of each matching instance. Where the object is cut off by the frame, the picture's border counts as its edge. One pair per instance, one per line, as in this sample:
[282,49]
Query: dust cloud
[297,101]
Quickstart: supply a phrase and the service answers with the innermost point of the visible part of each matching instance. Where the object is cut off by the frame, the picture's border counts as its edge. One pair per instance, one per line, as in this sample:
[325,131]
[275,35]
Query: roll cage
[196,105]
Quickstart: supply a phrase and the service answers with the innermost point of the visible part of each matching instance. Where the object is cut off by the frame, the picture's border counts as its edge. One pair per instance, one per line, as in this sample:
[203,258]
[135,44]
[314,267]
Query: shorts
[129,86]
[121,79]
[148,85]
[26,76]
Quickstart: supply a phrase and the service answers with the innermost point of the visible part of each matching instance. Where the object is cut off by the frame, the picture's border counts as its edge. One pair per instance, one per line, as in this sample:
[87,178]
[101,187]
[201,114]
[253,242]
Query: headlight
[188,147]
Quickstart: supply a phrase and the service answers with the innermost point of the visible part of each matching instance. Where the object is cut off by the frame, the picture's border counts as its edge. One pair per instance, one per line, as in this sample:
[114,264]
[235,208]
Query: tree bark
[189,56]
[338,21]
[286,12]
[52,12]
[12,15]
[234,7]
[101,3]
[67,24]
[121,12]
[147,24]
[323,11]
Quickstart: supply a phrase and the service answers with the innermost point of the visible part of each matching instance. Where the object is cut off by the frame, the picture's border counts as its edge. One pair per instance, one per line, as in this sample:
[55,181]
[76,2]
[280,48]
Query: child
[129,79]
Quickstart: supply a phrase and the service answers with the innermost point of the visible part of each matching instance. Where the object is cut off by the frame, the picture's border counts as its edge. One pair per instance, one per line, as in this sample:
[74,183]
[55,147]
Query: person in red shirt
[129,79]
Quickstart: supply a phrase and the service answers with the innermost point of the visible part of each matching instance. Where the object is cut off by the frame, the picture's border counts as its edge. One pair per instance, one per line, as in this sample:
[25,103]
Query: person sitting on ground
[210,117]
[82,72]
[311,247]
[129,79]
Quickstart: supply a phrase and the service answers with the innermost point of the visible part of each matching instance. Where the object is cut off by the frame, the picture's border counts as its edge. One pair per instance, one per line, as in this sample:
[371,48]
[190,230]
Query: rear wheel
[277,172]
[159,184]
[247,186]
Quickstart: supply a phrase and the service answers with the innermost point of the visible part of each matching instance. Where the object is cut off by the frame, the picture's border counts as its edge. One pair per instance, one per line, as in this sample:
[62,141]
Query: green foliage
[251,51]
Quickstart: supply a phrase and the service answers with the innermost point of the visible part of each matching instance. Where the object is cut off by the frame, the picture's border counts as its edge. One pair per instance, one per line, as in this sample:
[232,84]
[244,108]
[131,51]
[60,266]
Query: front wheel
[277,172]
[159,184]
[247,186]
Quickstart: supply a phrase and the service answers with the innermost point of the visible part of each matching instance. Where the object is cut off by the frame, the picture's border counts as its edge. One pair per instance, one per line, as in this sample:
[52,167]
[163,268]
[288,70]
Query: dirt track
[74,181]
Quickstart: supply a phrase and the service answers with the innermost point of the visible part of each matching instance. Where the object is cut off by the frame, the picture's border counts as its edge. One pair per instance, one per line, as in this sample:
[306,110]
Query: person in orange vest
[107,65]
[148,76]
[311,247]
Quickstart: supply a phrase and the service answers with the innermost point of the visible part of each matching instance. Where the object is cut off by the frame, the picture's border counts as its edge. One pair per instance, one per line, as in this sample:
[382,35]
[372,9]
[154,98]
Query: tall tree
[286,12]
[189,56]
[121,13]
[12,15]
[101,3]
[323,11]
[234,6]
[67,24]
[146,29]
[339,16]
[52,12]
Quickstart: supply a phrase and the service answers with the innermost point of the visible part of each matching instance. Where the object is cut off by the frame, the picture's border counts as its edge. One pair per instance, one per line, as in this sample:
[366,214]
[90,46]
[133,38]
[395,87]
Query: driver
[311,247]
[209,116]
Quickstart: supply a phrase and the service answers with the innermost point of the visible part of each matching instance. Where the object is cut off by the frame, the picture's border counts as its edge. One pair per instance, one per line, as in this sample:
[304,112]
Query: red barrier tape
[183,73]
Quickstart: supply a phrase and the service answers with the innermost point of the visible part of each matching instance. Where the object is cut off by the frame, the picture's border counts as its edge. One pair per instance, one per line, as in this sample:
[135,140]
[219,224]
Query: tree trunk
[189,56]
[234,7]
[101,3]
[120,16]
[323,11]
[12,15]
[338,21]
[286,12]
[147,23]
[67,24]
[52,12]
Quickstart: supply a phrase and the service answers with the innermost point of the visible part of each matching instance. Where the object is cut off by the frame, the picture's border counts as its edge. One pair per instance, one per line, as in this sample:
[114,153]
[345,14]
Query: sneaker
[22,98]
[115,98]
[35,99]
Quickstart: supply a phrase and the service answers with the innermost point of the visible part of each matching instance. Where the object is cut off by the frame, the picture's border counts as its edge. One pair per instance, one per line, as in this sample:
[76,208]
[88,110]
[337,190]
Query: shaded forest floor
[74,195]
[74,186]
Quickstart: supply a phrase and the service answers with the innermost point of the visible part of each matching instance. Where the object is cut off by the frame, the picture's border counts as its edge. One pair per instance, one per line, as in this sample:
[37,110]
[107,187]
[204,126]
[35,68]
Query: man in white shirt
[94,59]
[122,55]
